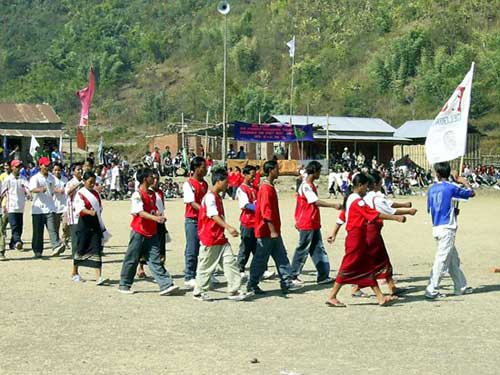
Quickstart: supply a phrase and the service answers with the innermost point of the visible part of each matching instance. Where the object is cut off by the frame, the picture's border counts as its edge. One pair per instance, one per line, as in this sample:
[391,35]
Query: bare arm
[333,235]
[401,205]
[406,211]
[195,205]
[148,216]
[321,203]
[220,221]
[272,229]
[398,218]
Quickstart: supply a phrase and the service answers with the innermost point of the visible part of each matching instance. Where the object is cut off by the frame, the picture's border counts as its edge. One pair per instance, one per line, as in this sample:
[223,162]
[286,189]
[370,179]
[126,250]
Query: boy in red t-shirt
[308,223]
[215,249]
[144,238]
[268,234]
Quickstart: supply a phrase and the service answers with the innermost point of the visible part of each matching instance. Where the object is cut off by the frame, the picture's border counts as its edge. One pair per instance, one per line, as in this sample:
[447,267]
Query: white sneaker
[204,297]
[190,284]
[170,290]
[77,279]
[101,281]
[238,296]
[126,291]
[465,290]
[268,274]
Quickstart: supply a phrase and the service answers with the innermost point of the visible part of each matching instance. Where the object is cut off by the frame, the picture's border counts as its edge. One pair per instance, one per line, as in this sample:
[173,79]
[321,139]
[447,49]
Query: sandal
[335,304]
[360,294]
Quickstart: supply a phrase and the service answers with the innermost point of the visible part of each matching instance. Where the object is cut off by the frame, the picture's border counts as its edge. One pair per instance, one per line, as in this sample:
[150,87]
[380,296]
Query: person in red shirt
[268,234]
[194,190]
[357,267]
[308,223]
[216,250]
[144,238]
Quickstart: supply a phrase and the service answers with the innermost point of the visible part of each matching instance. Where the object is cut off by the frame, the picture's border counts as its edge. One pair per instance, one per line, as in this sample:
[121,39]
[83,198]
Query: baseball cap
[44,161]
[15,163]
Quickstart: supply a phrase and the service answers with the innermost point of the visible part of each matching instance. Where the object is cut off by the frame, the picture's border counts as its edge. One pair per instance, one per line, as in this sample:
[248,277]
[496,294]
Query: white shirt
[60,199]
[70,201]
[43,203]
[242,198]
[136,203]
[159,204]
[211,205]
[15,190]
[115,178]
[188,192]
[379,202]
[306,190]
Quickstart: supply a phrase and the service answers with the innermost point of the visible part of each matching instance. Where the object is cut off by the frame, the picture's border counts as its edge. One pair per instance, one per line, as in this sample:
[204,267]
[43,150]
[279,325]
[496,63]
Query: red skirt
[378,252]
[356,267]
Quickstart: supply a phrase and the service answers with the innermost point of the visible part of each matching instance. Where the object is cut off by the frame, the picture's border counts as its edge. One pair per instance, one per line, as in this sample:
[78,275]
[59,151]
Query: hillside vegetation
[398,60]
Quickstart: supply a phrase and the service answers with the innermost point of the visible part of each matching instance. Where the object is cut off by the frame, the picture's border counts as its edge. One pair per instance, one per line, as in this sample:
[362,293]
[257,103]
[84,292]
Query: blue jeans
[16,228]
[149,248]
[192,248]
[275,248]
[248,245]
[311,243]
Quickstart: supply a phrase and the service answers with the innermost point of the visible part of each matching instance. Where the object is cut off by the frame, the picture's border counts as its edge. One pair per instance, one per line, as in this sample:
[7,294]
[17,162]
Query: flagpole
[291,95]
[327,142]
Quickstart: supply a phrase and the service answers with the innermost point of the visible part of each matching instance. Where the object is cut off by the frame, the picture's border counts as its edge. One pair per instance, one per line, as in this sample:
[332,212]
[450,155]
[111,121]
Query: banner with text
[276,132]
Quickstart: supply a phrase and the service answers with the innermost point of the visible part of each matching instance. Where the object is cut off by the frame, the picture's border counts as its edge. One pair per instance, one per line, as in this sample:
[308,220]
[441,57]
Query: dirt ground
[50,324]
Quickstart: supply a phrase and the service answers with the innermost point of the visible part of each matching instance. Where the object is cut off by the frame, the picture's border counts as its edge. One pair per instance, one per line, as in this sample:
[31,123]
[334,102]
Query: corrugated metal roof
[414,129]
[381,138]
[28,113]
[342,124]
[29,133]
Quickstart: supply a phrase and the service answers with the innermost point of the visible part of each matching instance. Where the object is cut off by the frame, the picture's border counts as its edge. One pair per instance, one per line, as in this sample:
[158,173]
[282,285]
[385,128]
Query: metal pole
[258,146]
[224,136]
[327,142]
[291,102]
[206,137]
[70,150]
[182,130]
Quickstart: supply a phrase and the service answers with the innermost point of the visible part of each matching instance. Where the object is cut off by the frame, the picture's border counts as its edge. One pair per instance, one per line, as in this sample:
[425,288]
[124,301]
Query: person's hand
[331,238]
[337,206]
[160,219]
[412,211]
[401,219]
[408,205]
[274,234]
[92,212]
[233,232]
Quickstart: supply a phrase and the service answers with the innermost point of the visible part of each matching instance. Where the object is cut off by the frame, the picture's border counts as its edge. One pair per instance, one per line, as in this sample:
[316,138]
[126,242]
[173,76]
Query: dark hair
[143,173]
[88,175]
[443,169]
[248,169]
[313,167]
[220,174]
[359,179]
[268,166]
[76,164]
[196,163]
[57,164]
[375,177]
[90,161]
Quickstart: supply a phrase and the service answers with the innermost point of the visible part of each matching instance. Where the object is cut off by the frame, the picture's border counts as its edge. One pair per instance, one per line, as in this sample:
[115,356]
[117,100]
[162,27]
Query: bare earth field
[51,325]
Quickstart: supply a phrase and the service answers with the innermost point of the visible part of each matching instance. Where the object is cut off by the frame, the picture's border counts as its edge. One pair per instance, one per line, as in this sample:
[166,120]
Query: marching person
[115,185]
[357,266]
[43,210]
[268,234]
[308,223]
[70,190]
[60,200]
[15,189]
[144,238]
[216,249]
[194,190]
[90,230]
[247,197]
[444,229]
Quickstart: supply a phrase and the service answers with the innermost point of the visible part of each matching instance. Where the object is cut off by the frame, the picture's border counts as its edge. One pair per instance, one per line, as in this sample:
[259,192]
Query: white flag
[33,145]
[447,136]
[291,46]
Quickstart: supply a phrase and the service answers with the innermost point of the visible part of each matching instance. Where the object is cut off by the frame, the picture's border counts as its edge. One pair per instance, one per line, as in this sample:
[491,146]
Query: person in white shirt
[115,181]
[15,189]
[60,200]
[72,187]
[43,210]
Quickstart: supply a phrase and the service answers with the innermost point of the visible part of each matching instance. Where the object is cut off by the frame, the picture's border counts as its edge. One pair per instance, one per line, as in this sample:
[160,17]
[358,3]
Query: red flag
[86,96]
[81,142]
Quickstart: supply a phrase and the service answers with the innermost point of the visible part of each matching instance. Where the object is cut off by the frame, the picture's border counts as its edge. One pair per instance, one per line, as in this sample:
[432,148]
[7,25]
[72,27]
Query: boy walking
[144,238]
[444,228]
[308,223]
[215,249]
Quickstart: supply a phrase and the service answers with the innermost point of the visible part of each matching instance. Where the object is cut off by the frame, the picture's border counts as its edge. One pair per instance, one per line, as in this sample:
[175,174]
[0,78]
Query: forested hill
[392,59]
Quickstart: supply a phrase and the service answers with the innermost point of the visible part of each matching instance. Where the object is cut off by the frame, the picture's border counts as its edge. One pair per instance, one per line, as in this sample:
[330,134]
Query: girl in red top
[357,266]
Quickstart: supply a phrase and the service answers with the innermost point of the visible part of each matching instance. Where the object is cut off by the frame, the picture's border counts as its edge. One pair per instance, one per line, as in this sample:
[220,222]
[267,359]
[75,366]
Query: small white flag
[447,136]
[33,145]
[291,46]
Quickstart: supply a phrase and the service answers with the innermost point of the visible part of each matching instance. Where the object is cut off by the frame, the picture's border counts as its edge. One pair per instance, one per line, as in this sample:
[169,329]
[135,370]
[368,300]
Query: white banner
[33,145]
[447,136]
[291,46]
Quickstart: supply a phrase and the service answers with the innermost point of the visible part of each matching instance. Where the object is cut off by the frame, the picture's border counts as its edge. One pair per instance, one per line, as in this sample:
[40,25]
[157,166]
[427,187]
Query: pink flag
[86,96]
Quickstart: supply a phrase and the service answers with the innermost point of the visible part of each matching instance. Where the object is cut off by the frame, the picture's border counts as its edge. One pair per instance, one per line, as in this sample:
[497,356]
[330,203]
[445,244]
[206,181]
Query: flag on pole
[100,152]
[447,136]
[60,148]
[291,46]
[86,94]
[81,142]
[33,145]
